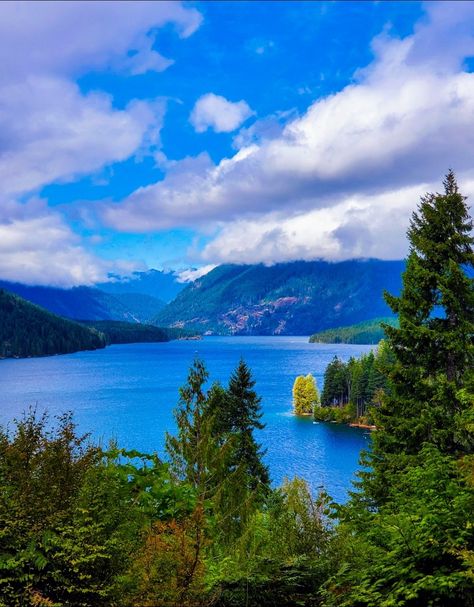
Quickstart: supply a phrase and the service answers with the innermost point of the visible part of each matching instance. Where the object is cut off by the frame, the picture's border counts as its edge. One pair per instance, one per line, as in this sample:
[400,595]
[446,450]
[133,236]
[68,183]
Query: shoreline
[364,426]
[333,421]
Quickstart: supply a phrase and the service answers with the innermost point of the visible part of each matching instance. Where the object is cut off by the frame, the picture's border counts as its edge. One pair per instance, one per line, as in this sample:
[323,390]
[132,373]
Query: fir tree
[433,346]
[410,521]
[243,417]
[189,449]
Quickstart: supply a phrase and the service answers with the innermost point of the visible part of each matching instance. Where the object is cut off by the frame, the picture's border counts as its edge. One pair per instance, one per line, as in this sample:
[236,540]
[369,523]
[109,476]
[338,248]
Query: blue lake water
[128,392]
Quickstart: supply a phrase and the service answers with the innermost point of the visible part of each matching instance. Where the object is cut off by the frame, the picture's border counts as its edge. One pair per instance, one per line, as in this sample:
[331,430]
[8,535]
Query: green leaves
[305,395]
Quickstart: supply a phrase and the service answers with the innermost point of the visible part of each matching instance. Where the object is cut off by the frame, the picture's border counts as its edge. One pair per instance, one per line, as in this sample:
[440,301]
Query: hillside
[137,299]
[143,307]
[77,303]
[297,298]
[118,332]
[368,332]
[28,330]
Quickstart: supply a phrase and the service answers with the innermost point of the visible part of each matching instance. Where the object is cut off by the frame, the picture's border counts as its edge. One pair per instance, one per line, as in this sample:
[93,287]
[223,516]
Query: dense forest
[367,332]
[117,332]
[76,303]
[28,330]
[87,527]
[352,388]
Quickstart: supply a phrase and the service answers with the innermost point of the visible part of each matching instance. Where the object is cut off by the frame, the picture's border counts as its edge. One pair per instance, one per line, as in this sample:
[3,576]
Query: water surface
[128,392]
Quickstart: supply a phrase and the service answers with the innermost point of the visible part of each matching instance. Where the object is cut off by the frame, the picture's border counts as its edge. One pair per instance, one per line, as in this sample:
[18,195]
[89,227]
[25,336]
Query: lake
[128,392]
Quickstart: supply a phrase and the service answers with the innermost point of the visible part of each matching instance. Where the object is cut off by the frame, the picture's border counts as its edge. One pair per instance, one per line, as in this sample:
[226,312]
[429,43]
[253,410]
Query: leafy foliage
[305,395]
[72,516]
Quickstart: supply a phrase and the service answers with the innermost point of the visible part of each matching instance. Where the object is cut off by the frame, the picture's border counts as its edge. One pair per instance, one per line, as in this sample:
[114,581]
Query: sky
[179,136]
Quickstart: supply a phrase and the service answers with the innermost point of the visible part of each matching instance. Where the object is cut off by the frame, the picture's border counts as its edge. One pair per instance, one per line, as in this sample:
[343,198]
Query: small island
[351,390]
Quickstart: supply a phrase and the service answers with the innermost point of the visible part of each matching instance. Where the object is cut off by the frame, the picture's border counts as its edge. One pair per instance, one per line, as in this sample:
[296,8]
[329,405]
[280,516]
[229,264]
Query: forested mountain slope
[138,299]
[78,303]
[28,330]
[297,298]
[367,332]
[119,332]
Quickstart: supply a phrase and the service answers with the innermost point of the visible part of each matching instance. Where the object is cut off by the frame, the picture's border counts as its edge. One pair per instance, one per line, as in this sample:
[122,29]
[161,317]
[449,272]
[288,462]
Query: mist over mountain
[159,284]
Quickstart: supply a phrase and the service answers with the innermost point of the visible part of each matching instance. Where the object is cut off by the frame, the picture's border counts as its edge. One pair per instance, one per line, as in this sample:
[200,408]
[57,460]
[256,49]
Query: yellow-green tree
[305,395]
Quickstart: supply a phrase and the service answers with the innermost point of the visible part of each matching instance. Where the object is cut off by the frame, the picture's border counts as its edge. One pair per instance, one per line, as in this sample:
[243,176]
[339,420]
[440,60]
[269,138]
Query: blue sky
[166,135]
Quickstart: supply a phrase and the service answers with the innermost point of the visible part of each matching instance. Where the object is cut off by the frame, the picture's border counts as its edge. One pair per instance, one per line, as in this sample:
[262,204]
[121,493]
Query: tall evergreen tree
[433,346]
[243,417]
[188,450]
[411,519]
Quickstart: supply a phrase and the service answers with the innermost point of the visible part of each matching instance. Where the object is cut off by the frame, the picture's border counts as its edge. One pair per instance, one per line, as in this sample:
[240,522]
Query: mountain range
[158,284]
[138,298]
[295,298]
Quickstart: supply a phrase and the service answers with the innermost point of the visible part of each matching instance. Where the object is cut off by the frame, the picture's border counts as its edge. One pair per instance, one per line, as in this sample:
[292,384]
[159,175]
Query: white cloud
[194,273]
[346,230]
[67,38]
[38,247]
[216,112]
[50,131]
[408,117]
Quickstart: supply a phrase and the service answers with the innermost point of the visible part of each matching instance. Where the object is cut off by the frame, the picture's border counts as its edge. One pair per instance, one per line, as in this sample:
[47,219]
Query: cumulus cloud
[216,112]
[38,247]
[50,131]
[347,229]
[405,120]
[67,38]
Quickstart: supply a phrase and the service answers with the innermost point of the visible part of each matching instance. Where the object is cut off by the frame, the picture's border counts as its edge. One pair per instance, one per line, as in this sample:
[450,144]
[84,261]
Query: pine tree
[411,519]
[189,450]
[433,346]
[244,415]
[336,384]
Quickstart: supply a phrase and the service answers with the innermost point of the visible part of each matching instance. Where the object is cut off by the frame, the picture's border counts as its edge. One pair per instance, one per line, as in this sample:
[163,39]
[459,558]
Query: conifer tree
[243,417]
[412,515]
[188,450]
[433,346]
